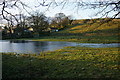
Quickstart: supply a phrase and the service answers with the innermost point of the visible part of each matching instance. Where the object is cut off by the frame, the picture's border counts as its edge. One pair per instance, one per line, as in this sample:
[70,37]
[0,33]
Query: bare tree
[5,5]
[107,6]
[39,22]
[60,21]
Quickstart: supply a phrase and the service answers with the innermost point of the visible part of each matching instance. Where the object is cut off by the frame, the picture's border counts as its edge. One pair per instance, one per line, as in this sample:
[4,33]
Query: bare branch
[42,4]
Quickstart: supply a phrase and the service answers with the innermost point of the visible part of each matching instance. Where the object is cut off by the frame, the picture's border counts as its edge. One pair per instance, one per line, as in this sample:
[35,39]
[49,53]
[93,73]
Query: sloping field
[91,31]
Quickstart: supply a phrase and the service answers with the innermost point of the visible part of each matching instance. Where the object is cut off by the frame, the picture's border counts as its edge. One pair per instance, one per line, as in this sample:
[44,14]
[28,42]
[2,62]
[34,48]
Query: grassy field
[68,63]
[89,32]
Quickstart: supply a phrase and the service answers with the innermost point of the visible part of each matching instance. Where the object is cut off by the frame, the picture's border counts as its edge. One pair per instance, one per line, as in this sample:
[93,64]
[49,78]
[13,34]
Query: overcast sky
[69,9]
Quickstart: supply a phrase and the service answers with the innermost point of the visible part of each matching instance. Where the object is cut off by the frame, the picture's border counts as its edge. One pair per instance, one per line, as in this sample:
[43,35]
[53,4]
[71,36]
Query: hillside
[94,27]
[90,31]
[87,31]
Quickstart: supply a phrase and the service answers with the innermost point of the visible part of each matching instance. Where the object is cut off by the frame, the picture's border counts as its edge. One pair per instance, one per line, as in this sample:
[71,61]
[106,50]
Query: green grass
[70,62]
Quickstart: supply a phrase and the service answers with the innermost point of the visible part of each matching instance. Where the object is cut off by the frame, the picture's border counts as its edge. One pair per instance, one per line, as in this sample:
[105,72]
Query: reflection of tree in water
[18,41]
[40,43]
[40,46]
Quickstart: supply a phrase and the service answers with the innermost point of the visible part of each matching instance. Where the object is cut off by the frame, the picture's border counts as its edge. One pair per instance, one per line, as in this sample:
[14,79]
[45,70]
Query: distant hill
[87,25]
[91,30]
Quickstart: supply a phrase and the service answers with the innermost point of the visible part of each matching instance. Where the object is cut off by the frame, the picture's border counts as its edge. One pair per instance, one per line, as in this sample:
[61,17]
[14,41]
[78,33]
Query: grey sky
[69,9]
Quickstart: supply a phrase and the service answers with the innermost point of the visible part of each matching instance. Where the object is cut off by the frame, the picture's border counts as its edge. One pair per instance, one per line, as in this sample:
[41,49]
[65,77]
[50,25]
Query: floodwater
[23,46]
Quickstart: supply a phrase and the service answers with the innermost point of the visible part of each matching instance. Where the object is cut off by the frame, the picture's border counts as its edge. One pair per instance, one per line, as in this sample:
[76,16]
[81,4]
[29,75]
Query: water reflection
[31,46]
[18,41]
[21,46]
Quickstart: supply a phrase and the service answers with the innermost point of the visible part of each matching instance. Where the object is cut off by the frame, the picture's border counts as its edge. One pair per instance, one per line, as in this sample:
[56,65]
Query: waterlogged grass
[81,39]
[70,62]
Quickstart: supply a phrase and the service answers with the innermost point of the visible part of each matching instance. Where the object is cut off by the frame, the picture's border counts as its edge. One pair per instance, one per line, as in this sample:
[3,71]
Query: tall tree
[38,21]
[60,20]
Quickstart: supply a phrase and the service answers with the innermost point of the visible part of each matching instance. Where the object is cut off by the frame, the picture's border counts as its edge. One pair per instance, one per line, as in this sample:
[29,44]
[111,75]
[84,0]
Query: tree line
[40,25]
[40,22]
